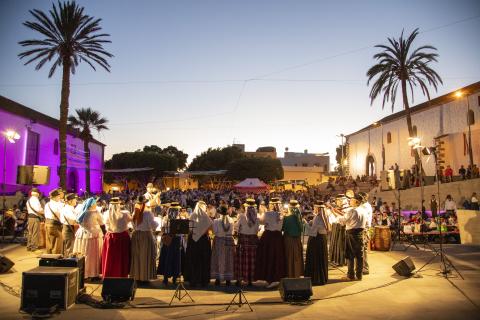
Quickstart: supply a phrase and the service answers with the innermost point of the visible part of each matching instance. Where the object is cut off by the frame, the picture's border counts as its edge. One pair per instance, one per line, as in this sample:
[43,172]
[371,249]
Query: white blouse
[118,225]
[241,226]
[272,220]
[316,226]
[148,222]
[218,227]
[90,227]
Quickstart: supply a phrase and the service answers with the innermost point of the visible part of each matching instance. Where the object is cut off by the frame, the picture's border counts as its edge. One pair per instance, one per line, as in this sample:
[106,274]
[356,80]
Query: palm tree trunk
[86,149]
[62,129]
[411,134]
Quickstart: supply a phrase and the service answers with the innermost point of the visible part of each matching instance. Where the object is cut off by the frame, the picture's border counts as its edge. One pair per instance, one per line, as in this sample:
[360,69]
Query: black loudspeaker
[46,287]
[118,289]
[295,289]
[404,267]
[29,175]
[67,262]
[5,264]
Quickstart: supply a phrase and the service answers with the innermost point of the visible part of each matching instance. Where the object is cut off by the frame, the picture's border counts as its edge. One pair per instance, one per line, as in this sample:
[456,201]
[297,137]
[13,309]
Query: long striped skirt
[116,255]
[223,258]
[293,256]
[144,255]
[270,264]
[245,257]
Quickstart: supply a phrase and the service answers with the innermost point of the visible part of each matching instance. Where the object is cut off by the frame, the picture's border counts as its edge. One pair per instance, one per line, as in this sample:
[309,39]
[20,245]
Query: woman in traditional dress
[247,227]
[316,261]
[169,263]
[223,252]
[270,259]
[199,250]
[144,245]
[292,233]
[89,237]
[116,246]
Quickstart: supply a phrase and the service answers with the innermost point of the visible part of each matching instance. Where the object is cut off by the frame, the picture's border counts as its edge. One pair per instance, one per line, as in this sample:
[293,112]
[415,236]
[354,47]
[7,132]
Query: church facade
[444,122]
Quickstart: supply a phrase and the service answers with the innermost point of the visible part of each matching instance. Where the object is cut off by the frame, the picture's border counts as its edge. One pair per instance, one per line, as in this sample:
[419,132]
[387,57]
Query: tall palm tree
[68,37]
[400,64]
[84,122]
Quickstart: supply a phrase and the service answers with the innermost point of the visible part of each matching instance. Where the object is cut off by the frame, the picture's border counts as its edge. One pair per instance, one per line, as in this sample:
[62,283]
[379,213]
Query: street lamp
[10,136]
[459,94]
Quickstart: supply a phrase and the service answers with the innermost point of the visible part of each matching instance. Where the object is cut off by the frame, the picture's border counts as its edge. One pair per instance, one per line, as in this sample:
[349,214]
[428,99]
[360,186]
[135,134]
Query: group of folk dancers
[119,243]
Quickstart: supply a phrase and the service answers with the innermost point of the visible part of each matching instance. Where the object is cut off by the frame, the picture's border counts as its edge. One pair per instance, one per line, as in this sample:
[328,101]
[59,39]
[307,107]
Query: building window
[471,117]
[478,97]
[414,129]
[389,137]
[55,147]
[33,141]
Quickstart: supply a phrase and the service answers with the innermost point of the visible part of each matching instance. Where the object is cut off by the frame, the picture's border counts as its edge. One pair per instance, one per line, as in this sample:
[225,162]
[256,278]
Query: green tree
[68,37]
[401,65]
[265,169]
[170,150]
[215,159]
[86,121]
[141,159]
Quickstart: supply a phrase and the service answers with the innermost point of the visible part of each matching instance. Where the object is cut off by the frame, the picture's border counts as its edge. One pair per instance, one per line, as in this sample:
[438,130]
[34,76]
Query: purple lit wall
[16,155]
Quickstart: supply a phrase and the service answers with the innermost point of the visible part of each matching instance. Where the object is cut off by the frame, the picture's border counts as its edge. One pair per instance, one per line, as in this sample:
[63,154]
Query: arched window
[471,117]
[414,129]
[389,137]
[55,147]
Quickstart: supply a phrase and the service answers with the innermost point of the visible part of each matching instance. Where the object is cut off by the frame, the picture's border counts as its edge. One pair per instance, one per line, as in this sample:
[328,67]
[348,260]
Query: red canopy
[251,185]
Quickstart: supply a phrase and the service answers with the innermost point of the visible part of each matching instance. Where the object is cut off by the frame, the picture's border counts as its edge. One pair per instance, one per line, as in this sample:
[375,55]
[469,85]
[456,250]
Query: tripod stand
[180,227]
[241,300]
[446,264]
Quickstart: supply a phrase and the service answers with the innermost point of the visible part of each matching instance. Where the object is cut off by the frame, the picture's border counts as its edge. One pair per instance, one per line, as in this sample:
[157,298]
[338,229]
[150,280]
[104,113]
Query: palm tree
[84,122]
[399,64]
[68,37]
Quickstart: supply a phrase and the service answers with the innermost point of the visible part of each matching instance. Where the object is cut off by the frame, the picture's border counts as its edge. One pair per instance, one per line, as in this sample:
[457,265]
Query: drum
[382,238]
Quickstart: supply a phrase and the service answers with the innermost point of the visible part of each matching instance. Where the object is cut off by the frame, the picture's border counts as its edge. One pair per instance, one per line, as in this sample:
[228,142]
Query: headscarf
[200,220]
[138,213]
[114,213]
[295,211]
[251,215]
[225,220]
[86,205]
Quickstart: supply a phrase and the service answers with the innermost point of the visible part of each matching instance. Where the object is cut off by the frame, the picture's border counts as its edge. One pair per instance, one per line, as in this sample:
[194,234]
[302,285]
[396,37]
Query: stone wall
[411,198]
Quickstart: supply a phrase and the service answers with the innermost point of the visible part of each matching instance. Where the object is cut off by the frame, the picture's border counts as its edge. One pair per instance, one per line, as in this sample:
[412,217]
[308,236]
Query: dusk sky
[199,74]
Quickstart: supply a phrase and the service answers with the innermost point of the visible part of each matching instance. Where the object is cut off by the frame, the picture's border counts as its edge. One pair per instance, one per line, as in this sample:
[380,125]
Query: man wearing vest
[67,218]
[53,226]
[35,215]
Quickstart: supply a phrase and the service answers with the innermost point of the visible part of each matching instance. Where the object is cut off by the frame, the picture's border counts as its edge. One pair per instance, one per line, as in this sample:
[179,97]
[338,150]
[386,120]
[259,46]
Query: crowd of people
[230,237]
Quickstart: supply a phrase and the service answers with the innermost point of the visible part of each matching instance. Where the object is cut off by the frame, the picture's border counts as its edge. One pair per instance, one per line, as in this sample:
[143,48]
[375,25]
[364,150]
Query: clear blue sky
[169,54]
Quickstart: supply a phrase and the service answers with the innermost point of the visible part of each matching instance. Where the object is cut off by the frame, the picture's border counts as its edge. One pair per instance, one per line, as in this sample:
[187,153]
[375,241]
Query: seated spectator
[450,206]
[474,205]
[448,174]
[462,172]
[432,225]
[475,172]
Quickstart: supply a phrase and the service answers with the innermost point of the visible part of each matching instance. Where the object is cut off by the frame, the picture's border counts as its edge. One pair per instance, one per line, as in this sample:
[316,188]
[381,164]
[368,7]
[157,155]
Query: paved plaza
[381,295]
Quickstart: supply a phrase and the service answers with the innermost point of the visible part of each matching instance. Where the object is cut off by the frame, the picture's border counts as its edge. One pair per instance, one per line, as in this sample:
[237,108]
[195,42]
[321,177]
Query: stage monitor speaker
[295,289]
[79,263]
[404,267]
[46,287]
[118,289]
[28,175]
[5,264]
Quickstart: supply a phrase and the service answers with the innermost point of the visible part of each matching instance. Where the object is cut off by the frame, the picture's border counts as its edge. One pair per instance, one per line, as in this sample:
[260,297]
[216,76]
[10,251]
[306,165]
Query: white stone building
[440,122]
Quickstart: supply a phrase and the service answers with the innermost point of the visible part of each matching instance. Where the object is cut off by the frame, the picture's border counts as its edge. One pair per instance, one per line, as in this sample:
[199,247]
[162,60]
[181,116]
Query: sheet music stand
[180,227]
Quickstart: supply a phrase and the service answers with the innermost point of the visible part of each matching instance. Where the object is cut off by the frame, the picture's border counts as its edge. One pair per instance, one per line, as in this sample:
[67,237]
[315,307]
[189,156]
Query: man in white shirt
[35,215]
[53,226]
[67,218]
[355,222]
[367,210]
[450,206]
